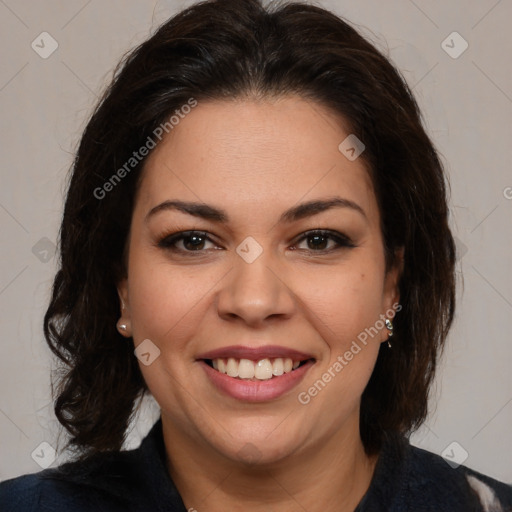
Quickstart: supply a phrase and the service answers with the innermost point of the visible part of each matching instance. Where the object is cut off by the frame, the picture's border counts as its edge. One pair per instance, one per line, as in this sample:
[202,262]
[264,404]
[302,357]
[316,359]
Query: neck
[332,475]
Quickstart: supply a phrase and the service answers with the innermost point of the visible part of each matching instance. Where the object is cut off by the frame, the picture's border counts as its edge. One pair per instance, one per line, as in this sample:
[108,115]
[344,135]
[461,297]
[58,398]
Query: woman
[256,234]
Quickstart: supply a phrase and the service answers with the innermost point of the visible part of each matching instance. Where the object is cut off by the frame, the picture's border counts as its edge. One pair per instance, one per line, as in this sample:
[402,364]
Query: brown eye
[192,241]
[318,241]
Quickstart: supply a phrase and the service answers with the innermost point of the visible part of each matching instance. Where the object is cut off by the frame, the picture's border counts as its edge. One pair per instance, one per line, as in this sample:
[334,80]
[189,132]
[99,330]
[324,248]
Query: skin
[255,159]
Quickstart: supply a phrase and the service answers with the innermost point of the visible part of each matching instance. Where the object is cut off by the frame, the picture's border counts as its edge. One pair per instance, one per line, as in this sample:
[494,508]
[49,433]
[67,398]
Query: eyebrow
[295,213]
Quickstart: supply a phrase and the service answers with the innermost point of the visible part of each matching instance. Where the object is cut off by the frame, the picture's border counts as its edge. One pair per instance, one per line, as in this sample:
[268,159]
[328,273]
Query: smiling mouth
[263,369]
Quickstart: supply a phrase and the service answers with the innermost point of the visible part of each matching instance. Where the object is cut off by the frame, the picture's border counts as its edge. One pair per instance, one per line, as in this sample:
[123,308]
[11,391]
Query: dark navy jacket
[406,478]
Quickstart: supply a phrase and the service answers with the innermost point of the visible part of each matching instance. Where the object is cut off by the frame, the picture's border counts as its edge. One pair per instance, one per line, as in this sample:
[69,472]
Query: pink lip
[256,391]
[255,353]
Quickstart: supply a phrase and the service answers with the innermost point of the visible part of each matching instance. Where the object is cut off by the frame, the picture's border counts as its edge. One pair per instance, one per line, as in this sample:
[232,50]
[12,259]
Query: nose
[255,292]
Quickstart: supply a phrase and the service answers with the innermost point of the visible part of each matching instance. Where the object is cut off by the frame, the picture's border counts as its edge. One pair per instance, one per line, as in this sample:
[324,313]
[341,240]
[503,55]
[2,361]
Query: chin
[254,454]
[257,450]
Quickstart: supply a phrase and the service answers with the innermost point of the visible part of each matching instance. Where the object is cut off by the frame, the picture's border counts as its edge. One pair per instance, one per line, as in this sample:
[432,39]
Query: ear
[124,325]
[392,280]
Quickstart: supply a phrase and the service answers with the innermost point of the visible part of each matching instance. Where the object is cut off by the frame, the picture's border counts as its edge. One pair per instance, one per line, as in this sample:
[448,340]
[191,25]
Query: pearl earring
[122,326]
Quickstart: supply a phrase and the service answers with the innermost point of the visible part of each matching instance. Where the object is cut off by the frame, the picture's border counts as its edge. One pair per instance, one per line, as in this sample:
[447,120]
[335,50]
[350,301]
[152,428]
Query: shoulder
[452,487]
[22,493]
[119,481]
[100,483]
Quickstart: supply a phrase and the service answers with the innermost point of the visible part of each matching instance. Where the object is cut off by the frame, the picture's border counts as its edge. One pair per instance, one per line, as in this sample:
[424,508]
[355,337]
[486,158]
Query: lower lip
[256,391]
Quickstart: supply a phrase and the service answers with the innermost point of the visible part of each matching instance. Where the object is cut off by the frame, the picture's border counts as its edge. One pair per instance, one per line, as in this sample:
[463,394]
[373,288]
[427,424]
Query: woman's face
[257,287]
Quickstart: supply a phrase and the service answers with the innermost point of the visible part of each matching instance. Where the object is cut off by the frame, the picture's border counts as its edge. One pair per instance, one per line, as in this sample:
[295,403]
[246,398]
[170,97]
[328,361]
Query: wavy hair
[224,49]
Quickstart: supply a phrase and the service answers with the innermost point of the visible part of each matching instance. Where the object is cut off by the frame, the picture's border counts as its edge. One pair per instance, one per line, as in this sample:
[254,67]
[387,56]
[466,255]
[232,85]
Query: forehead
[248,154]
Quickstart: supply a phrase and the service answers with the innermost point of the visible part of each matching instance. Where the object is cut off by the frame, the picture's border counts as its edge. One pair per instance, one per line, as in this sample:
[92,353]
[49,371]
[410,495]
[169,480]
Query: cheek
[346,305]
[347,302]
[162,298]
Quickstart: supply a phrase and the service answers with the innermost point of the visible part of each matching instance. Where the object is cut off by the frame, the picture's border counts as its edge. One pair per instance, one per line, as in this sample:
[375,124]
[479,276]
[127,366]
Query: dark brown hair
[222,49]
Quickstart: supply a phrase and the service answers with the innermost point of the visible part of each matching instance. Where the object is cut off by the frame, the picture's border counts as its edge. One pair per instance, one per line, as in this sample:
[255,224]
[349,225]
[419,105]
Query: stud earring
[122,327]
[389,327]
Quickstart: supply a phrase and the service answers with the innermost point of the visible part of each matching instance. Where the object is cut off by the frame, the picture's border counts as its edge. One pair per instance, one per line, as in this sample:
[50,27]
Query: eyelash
[169,242]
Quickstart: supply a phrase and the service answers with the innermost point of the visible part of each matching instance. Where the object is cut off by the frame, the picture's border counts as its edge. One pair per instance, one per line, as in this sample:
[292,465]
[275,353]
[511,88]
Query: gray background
[467,105]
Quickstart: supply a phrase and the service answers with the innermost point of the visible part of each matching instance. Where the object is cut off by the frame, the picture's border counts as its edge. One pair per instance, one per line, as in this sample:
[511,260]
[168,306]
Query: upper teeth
[263,369]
